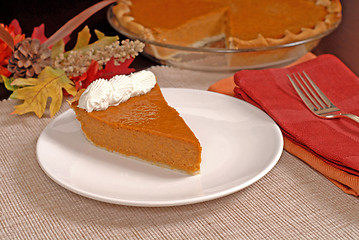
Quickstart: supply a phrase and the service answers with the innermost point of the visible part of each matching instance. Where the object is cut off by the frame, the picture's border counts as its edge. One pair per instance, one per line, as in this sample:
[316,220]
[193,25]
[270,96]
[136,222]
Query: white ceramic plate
[240,145]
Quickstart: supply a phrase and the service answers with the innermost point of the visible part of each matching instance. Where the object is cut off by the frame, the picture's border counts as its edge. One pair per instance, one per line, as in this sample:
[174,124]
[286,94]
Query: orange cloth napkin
[329,146]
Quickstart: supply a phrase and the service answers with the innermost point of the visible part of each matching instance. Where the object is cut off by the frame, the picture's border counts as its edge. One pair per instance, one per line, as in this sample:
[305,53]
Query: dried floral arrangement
[37,68]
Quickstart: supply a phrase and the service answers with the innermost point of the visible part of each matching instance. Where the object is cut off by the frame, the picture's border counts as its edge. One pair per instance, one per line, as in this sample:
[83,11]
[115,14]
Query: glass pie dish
[221,58]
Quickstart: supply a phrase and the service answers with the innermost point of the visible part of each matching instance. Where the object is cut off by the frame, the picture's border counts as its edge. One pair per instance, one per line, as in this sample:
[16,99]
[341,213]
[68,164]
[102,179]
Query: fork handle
[350,116]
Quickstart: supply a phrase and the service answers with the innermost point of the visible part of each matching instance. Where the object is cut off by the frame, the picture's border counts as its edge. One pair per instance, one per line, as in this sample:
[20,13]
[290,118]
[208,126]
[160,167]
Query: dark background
[53,14]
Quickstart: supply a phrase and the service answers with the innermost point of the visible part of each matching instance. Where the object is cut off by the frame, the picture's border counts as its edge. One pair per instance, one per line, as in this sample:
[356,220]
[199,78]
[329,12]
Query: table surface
[292,201]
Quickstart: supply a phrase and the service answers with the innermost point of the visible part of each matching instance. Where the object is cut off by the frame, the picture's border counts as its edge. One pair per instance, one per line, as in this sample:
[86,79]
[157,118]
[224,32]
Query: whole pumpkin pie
[240,23]
[144,126]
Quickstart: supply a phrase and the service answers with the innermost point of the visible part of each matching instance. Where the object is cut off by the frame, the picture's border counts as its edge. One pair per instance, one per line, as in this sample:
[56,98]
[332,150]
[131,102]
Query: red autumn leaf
[86,78]
[108,72]
[78,80]
[16,26]
[90,74]
[111,69]
[39,33]
[5,51]
[4,71]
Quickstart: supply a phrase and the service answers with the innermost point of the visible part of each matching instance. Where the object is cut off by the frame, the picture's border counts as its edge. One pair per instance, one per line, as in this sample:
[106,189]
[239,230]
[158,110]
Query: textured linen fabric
[292,201]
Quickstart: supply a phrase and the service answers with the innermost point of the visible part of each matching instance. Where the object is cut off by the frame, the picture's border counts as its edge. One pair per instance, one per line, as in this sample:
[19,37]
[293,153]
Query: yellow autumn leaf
[83,41]
[83,38]
[99,34]
[21,82]
[57,48]
[49,84]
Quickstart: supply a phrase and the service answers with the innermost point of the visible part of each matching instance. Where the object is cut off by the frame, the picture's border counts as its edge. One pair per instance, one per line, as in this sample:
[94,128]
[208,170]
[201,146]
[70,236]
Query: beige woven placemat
[291,202]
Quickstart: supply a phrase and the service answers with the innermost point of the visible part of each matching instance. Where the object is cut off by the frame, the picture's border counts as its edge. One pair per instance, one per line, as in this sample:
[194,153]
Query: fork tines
[311,95]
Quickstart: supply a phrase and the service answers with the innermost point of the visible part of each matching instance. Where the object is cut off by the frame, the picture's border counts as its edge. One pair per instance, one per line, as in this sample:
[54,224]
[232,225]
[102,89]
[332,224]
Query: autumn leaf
[87,77]
[90,75]
[7,83]
[57,49]
[99,34]
[111,69]
[24,82]
[100,43]
[83,38]
[49,84]
[16,27]
[9,37]
[39,33]
[83,41]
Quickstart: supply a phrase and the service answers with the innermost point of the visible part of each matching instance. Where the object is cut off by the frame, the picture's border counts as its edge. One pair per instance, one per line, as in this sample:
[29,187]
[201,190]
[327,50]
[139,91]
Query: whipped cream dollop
[102,93]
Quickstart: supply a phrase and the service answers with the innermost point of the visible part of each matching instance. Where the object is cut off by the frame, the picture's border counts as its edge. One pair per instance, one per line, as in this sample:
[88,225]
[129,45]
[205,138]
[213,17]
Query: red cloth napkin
[330,146]
[337,141]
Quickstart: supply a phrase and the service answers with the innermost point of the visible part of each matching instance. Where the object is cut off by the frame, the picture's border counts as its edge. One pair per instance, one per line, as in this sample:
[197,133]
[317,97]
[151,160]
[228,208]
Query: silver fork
[315,99]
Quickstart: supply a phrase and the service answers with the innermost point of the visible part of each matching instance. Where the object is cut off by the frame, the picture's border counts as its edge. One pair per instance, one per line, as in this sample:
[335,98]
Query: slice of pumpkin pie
[129,115]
